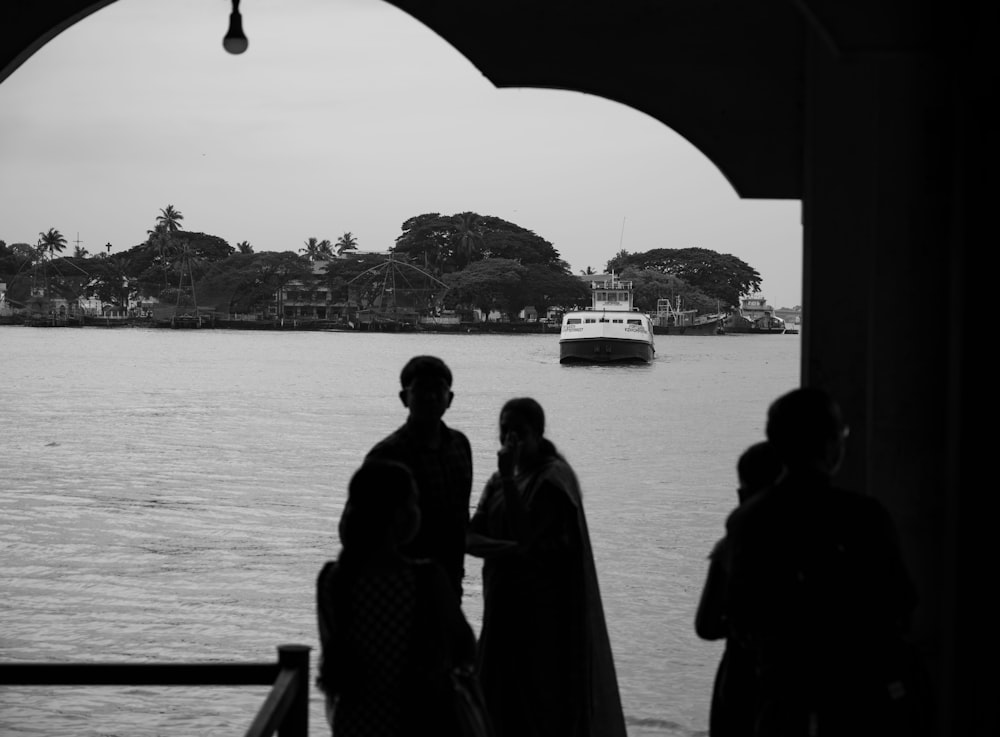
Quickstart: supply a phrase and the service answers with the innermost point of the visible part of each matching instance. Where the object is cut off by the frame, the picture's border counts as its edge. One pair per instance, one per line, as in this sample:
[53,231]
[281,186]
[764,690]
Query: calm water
[171,495]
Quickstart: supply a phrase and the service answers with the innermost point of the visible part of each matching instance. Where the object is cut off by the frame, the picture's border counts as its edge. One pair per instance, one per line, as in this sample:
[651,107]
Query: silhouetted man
[440,459]
[817,589]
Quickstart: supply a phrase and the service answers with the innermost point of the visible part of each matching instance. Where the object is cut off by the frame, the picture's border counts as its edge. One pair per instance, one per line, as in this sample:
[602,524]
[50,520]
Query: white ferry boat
[610,331]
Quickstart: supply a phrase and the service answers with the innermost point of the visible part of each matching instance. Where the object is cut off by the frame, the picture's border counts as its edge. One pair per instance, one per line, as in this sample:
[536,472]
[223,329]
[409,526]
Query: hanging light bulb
[235,41]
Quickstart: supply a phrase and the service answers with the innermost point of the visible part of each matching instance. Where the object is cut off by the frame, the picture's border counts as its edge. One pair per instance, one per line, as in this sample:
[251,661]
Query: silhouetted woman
[390,627]
[545,661]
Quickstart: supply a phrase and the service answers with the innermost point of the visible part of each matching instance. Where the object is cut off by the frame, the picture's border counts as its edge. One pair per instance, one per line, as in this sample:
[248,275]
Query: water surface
[171,495]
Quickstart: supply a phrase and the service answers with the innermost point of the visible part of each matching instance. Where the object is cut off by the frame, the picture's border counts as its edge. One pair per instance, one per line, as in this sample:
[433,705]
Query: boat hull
[710,327]
[742,329]
[604,350]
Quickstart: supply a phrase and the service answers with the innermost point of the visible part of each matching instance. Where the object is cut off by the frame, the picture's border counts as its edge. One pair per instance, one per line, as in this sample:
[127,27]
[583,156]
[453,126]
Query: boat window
[635,322]
[604,319]
[616,321]
[602,295]
[590,319]
[573,321]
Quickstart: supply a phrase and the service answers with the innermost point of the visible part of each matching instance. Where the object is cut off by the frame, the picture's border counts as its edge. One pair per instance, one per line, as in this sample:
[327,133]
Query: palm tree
[244,247]
[159,244]
[52,242]
[170,218]
[312,246]
[317,250]
[468,235]
[160,239]
[346,242]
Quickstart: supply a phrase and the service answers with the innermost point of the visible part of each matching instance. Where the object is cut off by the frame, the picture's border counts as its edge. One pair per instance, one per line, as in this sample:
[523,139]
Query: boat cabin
[611,294]
[755,308]
[760,314]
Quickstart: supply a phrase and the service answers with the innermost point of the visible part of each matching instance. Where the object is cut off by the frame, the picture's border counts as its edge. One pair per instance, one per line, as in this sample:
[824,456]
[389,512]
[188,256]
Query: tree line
[485,262]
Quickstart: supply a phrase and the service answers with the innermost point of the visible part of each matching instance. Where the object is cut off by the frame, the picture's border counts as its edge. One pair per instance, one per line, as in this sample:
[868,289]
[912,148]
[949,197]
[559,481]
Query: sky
[345,115]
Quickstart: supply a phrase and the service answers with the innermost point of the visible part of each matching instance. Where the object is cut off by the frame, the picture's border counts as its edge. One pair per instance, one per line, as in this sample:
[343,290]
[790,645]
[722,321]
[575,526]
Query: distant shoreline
[302,325]
[330,326]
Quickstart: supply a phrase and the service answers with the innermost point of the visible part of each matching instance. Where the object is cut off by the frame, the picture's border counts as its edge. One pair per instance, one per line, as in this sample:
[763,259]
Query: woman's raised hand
[508,454]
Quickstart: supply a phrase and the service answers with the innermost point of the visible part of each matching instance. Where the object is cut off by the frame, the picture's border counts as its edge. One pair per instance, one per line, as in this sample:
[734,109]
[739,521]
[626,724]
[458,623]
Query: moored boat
[670,319]
[755,315]
[610,331]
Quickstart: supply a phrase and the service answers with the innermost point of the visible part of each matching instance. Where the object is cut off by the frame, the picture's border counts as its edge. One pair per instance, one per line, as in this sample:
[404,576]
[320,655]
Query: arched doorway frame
[876,115]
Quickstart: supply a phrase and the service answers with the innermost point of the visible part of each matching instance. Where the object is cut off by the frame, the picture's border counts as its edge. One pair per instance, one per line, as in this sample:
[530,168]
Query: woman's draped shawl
[602,713]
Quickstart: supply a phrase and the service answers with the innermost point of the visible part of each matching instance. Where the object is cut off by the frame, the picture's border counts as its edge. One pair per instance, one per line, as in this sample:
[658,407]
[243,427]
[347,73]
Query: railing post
[296,721]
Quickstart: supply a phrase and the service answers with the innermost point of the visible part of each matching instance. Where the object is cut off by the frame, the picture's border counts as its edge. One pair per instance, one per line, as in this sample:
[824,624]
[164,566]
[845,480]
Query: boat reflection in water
[611,331]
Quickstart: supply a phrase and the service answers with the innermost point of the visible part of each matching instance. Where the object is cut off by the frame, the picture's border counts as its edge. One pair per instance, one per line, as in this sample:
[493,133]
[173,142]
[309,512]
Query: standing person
[390,628]
[732,709]
[545,660]
[440,459]
[817,589]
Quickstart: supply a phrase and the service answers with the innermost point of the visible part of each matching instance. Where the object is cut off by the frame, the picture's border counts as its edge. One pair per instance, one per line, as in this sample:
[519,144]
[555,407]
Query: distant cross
[78,241]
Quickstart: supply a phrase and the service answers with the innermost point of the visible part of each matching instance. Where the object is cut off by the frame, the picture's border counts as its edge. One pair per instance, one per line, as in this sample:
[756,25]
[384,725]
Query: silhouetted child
[440,460]
[732,707]
[391,629]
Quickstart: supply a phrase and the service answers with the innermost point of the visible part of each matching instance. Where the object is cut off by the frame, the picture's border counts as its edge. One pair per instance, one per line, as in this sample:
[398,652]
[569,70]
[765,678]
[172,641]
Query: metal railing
[285,711]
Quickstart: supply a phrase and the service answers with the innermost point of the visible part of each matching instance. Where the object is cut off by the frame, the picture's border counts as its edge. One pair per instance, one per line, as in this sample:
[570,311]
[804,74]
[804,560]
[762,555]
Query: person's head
[807,430]
[757,468]
[524,419]
[426,388]
[382,509]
